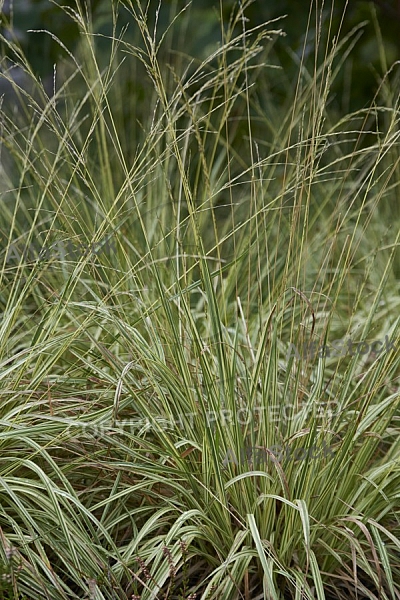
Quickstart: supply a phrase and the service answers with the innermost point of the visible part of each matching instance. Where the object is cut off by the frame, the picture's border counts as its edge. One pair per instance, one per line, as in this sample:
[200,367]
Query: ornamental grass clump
[238,226]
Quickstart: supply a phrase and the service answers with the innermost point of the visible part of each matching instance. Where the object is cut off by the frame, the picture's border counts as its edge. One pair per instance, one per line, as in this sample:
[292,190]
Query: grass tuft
[173,241]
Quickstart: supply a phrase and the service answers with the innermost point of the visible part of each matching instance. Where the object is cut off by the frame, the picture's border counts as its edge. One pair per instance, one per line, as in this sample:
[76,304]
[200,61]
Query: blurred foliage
[43,50]
[354,87]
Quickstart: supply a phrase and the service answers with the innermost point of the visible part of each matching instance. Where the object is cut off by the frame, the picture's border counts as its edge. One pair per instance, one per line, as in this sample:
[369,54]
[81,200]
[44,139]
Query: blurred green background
[354,87]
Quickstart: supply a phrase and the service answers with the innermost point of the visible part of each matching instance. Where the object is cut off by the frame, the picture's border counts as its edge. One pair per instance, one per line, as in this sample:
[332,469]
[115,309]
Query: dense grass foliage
[176,249]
